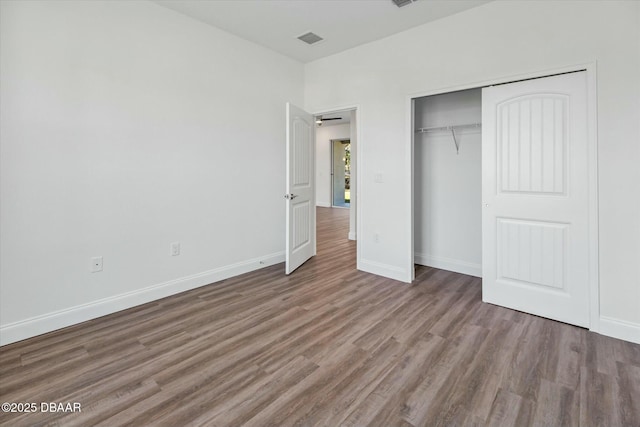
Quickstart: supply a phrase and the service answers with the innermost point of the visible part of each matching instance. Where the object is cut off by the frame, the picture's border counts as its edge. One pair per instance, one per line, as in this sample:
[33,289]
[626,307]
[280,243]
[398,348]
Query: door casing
[333,166]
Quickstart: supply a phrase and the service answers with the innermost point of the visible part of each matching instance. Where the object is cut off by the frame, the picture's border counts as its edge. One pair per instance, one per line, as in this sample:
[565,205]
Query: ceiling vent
[311,38]
[401,3]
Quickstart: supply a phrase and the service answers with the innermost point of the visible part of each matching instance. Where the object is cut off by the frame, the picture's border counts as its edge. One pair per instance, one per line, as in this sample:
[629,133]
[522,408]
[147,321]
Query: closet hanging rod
[448,128]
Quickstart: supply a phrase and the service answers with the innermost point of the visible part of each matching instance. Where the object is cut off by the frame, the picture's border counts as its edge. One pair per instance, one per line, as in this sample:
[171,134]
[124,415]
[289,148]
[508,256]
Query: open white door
[535,191]
[301,202]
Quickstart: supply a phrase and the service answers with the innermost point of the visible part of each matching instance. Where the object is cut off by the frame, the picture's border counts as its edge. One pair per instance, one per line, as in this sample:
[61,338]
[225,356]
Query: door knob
[290,196]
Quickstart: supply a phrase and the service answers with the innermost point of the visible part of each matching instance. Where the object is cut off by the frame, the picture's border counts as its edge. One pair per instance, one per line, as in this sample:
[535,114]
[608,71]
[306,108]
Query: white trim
[359,181]
[410,123]
[28,328]
[333,110]
[385,270]
[620,329]
[505,79]
[332,166]
[449,264]
[323,204]
[594,245]
[590,69]
[352,235]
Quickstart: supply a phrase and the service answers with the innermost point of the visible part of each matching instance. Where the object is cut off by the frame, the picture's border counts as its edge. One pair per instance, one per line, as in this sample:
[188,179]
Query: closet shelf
[448,128]
[452,129]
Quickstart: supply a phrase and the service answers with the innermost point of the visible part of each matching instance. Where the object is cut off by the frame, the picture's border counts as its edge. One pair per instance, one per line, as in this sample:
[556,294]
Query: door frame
[355,167]
[332,141]
[590,68]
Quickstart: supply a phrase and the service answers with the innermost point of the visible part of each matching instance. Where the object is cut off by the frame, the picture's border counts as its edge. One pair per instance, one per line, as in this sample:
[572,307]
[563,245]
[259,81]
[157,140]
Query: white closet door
[535,195]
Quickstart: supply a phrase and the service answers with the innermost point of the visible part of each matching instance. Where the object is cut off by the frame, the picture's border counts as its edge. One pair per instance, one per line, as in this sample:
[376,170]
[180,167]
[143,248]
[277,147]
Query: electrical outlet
[175,249]
[96,264]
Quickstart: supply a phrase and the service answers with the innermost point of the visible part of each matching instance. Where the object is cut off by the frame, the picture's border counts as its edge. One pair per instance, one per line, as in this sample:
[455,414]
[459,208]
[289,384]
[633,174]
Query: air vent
[310,38]
[401,3]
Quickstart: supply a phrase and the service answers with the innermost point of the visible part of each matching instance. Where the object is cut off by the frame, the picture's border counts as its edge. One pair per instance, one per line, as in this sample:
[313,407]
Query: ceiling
[343,24]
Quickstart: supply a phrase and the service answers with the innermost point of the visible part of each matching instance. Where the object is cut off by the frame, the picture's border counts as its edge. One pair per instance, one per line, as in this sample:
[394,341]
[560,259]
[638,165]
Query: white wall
[324,135]
[125,127]
[447,185]
[496,40]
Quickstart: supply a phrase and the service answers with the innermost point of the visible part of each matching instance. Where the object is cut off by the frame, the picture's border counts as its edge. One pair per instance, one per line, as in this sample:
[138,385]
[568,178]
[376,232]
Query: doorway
[341,173]
[336,162]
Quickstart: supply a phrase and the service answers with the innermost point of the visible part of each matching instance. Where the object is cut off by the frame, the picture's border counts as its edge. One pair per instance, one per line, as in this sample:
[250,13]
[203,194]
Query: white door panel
[301,213]
[535,195]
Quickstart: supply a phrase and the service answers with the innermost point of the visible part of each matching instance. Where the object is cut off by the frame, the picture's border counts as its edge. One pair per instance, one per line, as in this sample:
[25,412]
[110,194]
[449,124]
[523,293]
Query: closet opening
[448,181]
[504,187]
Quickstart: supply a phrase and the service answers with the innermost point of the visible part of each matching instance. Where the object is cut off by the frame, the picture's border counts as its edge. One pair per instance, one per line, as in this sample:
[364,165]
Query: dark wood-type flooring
[327,346]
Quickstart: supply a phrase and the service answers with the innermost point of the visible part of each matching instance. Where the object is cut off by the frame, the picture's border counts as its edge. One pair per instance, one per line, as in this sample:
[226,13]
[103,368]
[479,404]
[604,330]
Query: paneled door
[535,190]
[300,195]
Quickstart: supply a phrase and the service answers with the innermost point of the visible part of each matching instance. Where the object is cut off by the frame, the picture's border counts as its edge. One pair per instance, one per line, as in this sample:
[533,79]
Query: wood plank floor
[326,346]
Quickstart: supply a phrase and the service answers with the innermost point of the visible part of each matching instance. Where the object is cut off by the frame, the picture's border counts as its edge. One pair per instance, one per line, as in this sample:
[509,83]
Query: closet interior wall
[448,182]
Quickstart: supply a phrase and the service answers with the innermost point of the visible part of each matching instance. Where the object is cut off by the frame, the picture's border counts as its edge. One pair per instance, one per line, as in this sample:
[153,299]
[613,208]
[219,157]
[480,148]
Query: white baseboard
[323,204]
[38,325]
[449,264]
[620,329]
[352,235]
[385,270]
